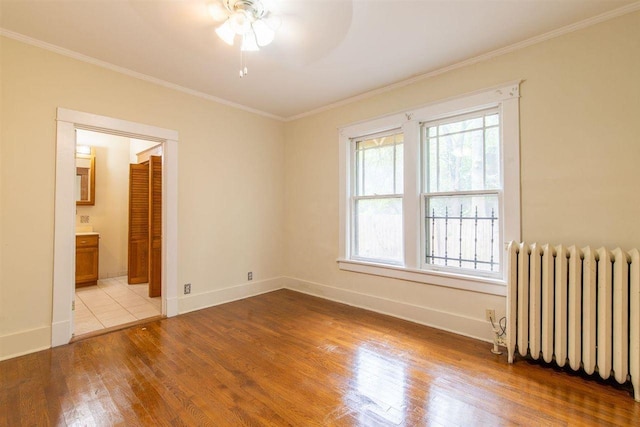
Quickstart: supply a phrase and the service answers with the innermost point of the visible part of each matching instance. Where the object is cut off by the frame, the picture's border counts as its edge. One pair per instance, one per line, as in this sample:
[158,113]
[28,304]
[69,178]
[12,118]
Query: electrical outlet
[490,315]
[250,275]
[187,288]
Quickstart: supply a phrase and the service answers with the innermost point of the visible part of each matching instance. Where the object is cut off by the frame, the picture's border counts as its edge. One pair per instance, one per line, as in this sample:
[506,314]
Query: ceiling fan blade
[310,30]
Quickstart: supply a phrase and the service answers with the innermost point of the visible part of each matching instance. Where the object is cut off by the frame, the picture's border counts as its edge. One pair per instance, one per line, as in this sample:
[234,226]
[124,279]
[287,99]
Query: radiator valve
[499,333]
[496,342]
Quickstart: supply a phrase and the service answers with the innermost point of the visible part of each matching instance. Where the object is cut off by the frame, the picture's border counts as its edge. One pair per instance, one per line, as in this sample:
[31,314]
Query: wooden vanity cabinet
[87,260]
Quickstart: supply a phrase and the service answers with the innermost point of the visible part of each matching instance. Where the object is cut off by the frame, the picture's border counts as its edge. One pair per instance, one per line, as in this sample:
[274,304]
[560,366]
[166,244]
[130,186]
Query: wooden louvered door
[138,264]
[155,226]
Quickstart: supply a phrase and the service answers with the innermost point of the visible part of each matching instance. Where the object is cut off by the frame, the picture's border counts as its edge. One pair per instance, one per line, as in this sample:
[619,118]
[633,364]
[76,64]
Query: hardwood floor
[286,358]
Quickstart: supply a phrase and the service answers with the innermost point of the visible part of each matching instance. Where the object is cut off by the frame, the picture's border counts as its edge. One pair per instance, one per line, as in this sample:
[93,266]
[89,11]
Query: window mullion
[411,200]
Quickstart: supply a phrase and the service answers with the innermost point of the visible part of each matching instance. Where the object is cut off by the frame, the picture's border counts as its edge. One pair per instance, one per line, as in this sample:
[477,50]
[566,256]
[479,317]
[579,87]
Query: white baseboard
[451,322]
[202,300]
[33,340]
[25,342]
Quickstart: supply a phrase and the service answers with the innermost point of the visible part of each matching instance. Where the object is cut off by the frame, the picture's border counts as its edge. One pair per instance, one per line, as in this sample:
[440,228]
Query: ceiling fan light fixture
[226,33]
[240,22]
[263,33]
[245,17]
[250,19]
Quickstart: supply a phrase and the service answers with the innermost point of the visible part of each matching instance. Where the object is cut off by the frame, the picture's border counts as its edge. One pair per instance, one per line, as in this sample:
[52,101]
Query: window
[462,193]
[377,198]
[432,195]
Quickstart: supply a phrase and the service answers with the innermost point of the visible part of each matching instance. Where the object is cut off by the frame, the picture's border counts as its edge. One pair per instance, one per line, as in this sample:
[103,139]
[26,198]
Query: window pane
[461,126]
[378,171]
[379,142]
[461,162]
[492,120]
[379,166]
[492,158]
[463,231]
[465,159]
[360,154]
[399,183]
[432,165]
[378,229]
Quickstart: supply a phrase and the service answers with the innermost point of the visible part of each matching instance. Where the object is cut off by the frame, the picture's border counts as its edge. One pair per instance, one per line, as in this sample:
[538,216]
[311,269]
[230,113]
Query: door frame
[65,211]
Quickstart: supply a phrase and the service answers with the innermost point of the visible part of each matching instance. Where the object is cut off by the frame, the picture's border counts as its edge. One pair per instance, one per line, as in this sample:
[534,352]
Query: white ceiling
[326,50]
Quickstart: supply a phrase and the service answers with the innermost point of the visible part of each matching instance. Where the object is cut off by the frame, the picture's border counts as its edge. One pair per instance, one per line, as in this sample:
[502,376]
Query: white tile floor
[113,302]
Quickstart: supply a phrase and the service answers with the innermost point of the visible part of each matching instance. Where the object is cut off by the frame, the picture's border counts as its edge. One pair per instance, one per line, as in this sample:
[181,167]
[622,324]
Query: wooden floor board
[289,359]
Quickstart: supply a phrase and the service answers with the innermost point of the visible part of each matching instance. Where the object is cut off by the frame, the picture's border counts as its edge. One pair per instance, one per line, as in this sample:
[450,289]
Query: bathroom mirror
[85,175]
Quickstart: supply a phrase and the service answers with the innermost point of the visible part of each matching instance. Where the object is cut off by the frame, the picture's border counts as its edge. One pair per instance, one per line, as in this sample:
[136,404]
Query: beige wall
[230,183]
[110,214]
[579,141]
[580,166]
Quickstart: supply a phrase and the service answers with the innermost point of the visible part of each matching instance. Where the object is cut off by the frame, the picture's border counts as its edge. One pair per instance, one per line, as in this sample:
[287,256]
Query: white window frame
[424,265]
[506,99]
[355,197]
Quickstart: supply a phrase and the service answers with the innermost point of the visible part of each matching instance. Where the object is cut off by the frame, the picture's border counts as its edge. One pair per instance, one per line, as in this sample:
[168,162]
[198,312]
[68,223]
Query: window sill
[449,280]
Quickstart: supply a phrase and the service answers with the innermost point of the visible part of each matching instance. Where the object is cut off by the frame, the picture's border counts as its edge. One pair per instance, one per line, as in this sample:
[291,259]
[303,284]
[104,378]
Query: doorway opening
[67,223]
[118,263]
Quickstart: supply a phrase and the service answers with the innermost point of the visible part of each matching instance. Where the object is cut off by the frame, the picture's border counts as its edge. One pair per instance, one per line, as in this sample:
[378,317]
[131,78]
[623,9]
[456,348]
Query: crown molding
[88,59]
[633,7]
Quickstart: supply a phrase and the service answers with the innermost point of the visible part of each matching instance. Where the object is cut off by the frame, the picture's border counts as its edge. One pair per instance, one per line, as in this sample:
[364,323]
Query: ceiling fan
[252,20]
[306,30]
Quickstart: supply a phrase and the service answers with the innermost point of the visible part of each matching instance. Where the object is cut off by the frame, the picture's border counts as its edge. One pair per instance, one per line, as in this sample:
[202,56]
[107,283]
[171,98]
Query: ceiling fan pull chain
[241,72]
[243,66]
